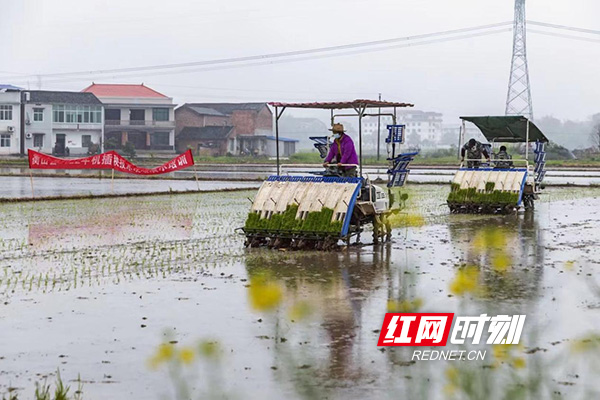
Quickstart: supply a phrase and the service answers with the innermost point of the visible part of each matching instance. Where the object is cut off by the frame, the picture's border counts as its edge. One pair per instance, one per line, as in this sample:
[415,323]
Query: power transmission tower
[518,101]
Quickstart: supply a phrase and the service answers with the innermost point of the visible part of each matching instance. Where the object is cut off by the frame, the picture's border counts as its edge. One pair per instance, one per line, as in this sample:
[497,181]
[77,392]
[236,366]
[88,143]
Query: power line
[283,57]
[562,35]
[273,55]
[253,90]
[281,61]
[569,28]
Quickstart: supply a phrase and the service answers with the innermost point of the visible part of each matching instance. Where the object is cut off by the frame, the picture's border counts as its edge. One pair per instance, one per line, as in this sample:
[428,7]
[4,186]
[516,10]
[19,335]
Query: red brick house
[219,129]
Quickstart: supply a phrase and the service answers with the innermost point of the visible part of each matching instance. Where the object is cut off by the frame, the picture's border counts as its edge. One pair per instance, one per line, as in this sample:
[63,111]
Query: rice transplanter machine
[500,185]
[318,211]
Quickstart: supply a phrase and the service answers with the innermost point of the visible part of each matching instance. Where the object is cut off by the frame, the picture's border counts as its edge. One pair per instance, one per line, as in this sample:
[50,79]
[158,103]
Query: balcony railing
[156,124]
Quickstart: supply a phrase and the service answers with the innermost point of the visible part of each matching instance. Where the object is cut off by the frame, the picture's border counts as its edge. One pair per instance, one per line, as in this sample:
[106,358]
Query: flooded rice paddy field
[15,187]
[156,297]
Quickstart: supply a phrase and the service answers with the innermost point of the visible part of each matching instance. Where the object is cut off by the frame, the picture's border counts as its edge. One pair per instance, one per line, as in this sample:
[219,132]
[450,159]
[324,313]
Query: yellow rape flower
[501,351]
[570,265]
[264,294]
[494,238]
[519,363]
[209,349]
[187,355]
[586,344]
[449,390]
[501,261]
[452,374]
[164,353]
[465,281]
[402,220]
[405,306]
[300,311]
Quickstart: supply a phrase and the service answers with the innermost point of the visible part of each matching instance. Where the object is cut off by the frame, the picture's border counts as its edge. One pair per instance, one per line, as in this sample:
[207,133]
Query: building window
[86,140]
[75,114]
[70,114]
[160,114]
[4,140]
[160,139]
[38,140]
[5,113]
[38,114]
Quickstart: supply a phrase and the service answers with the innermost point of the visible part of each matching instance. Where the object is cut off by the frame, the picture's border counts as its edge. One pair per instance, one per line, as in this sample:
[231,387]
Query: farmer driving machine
[500,185]
[322,209]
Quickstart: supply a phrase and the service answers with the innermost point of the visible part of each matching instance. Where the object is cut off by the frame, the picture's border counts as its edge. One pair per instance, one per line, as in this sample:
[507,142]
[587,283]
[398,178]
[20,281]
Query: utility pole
[378,129]
[518,101]
[24,97]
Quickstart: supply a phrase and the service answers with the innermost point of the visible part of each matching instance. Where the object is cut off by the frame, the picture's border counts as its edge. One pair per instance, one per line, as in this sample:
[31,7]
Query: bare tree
[595,137]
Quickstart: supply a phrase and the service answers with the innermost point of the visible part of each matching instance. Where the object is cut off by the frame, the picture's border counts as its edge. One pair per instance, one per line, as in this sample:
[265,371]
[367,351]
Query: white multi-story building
[138,115]
[424,125]
[63,123]
[10,119]
[451,134]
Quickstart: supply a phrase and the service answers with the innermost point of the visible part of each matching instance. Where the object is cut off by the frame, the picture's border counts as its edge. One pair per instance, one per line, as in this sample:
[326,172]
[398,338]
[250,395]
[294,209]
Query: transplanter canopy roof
[354,104]
[508,129]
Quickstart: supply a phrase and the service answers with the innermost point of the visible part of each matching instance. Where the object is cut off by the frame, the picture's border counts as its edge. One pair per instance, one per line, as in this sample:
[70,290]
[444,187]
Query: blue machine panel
[395,134]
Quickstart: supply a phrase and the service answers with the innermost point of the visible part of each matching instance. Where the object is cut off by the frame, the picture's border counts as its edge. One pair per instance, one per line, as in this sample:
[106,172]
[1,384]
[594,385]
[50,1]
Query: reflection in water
[503,257]
[336,286]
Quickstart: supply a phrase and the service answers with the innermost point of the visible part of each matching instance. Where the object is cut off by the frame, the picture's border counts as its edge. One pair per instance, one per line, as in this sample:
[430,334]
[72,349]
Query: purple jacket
[348,153]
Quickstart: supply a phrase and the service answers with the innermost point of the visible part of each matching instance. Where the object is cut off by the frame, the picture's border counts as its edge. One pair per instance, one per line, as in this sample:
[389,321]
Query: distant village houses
[218,129]
[62,123]
[10,119]
[53,122]
[136,114]
[111,116]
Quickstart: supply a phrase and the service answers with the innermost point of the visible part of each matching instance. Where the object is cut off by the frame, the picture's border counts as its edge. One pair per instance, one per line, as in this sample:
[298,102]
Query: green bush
[129,150]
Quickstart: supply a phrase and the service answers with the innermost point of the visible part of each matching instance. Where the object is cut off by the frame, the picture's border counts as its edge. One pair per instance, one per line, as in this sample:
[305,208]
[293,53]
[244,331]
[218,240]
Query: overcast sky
[469,76]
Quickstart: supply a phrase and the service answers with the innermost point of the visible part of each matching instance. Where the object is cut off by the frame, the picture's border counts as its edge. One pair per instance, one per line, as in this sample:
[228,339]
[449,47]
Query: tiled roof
[123,90]
[206,111]
[54,97]
[206,132]
[229,108]
[9,87]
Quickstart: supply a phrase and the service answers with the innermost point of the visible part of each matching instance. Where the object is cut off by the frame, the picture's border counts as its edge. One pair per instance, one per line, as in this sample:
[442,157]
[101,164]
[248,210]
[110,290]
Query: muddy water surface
[157,298]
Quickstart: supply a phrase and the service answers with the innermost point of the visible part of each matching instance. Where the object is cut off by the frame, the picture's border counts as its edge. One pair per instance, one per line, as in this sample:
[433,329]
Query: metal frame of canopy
[504,129]
[360,107]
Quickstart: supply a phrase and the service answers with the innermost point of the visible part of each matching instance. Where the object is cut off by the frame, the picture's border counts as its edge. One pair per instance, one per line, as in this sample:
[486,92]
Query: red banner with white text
[108,160]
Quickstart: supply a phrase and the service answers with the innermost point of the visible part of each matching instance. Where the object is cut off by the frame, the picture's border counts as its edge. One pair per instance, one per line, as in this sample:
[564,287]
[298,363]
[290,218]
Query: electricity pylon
[518,101]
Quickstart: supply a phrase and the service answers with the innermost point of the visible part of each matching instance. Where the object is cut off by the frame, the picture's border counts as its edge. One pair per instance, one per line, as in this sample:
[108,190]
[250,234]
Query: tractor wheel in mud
[329,244]
[253,242]
[528,202]
[276,243]
[280,243]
